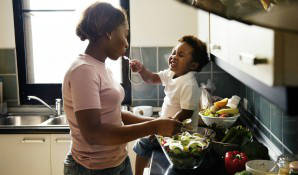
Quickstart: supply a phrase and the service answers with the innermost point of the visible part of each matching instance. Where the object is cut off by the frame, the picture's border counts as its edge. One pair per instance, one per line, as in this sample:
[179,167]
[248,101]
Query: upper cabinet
[275,14]
[263,59]
[219,38]
[265,54]
[7,37]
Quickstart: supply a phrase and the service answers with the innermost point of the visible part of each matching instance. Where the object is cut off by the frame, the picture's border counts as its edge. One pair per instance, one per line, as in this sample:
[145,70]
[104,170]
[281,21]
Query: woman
[92,99]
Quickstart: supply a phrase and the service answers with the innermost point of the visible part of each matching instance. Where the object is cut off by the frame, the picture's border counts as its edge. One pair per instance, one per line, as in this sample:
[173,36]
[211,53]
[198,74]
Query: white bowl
[224,122]
[260,167]
[143,111]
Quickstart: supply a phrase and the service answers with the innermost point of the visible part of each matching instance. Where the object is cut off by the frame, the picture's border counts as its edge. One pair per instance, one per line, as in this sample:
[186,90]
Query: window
[46,45]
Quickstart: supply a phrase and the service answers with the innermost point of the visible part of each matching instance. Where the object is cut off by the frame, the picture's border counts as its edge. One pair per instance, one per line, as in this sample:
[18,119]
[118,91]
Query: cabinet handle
[215,47]
[63,140]
[252,59]
[25,140]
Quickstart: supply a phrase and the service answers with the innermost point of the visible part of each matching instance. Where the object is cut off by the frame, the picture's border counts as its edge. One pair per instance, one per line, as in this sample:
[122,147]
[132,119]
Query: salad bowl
[223,122]
[185,150]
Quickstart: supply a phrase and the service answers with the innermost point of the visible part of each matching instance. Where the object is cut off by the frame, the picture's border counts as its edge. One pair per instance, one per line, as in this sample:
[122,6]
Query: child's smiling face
[180,60]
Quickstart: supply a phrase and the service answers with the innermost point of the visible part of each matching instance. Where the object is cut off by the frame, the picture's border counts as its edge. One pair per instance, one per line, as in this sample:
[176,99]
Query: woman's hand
[167,127]
[136,65]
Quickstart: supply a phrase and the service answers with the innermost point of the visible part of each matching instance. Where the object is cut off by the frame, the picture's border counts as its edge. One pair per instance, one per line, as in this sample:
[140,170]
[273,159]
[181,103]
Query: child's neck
[176,76]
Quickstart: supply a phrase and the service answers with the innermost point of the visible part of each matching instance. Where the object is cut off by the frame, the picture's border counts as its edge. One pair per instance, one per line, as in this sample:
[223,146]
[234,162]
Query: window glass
[50,40]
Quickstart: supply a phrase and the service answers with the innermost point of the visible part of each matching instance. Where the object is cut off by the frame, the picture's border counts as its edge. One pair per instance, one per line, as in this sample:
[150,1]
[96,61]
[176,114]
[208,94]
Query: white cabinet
[251,50]
[60,145]
[33,154]
[25,154]
[267,55]
[219,38]
[203,26]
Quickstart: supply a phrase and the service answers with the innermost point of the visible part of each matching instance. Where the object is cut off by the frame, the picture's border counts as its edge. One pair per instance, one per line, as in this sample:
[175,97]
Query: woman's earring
[109,36]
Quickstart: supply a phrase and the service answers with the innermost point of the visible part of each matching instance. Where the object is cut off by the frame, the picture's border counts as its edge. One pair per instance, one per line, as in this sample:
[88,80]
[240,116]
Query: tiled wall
[8,73]
[274,123]
[155,59]
[280,128]
[277,126]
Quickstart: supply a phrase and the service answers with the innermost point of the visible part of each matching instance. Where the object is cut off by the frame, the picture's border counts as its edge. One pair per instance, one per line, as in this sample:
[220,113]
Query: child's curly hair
[199,53]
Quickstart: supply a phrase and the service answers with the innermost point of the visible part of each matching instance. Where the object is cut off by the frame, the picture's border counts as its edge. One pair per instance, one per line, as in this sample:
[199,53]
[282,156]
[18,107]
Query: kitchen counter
[34,130]
[161,166]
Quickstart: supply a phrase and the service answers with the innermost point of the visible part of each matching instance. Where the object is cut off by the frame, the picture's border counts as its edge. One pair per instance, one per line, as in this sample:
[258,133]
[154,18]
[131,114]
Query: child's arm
[147,76]
[183,114]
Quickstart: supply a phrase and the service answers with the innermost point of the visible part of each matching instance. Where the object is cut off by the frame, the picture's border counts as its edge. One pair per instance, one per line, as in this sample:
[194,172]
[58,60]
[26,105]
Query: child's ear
[194,66]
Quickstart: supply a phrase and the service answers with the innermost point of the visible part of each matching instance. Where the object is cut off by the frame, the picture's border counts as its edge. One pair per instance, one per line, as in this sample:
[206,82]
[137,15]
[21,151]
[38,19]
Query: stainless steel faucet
[58,109]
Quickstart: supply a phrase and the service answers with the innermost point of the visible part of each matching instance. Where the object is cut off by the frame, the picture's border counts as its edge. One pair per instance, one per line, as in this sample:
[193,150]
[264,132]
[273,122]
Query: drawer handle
[25,140]
[216,47]
[251,59]
[63,140]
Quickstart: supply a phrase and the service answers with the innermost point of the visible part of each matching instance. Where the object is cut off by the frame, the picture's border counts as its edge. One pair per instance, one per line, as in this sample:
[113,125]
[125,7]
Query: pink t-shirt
[88,84]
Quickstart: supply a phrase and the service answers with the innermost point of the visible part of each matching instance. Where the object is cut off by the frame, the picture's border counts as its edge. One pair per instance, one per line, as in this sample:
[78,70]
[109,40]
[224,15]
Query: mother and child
[92,98]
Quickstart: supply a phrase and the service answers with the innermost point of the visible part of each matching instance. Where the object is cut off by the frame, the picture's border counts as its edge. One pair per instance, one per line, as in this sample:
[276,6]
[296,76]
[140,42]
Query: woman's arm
[97,133]
[129,118]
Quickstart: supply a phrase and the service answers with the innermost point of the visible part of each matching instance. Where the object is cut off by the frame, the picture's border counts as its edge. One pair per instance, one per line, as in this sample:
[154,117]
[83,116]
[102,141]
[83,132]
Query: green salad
[184,144]
[185,149]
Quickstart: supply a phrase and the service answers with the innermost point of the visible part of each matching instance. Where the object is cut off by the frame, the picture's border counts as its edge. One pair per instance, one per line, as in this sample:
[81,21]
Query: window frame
[50,92]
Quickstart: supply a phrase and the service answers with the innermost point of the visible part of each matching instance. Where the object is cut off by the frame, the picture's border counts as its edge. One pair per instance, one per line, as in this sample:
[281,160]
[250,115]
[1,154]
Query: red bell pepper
[235,161]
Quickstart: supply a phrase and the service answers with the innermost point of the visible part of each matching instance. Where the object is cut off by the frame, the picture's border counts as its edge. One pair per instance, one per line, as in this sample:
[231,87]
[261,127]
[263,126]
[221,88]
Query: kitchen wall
[155,59]
[7,26]
[160,23]
[152,47]
[152,44]
[8,70]
[280,128]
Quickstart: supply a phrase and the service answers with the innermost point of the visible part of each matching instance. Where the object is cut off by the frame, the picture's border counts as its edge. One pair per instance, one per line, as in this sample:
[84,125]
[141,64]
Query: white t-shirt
[181,93]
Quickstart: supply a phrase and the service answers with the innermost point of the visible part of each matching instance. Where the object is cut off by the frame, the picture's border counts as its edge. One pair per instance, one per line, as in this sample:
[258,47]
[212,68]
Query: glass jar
[283,164]
[293,168]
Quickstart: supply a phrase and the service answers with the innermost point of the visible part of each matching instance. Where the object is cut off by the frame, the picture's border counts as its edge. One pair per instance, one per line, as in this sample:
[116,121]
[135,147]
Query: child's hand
[136,66]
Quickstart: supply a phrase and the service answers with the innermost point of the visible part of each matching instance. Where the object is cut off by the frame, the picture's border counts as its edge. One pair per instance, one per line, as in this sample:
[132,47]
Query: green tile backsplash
[273,122]
[163,55]
[7,61]
[8,74]
[155,59]
[279,128]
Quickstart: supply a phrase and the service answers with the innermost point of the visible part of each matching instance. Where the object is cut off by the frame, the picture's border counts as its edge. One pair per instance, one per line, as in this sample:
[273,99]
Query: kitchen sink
[21,120]
[60,120]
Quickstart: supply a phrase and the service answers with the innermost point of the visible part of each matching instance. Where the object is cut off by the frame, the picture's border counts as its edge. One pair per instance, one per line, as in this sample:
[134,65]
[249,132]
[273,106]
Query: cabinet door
[60,145]
[219,36]
[203,26]
[251,50]
[25,154]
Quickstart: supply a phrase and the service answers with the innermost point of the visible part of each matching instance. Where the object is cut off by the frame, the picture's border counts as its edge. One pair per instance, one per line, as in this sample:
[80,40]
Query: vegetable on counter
[238,135]
[255,150]
[243,173]
[235,161]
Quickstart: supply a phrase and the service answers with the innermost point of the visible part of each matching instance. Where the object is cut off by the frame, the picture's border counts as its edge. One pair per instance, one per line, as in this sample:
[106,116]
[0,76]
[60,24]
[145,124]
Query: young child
[181,89]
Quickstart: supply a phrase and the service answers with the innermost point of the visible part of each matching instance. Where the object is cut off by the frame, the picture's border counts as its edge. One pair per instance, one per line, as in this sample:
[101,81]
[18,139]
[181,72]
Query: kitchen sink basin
[23,120]
[60,120]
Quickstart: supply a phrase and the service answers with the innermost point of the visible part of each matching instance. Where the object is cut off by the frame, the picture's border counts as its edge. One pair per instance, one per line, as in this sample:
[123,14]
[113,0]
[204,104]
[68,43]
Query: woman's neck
[95,50]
